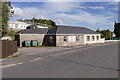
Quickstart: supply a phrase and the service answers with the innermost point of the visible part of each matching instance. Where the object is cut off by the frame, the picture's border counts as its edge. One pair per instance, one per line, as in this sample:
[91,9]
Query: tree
[50,23]
[117,29]
[105,33]
[26,20]
[6,14]
[98,30]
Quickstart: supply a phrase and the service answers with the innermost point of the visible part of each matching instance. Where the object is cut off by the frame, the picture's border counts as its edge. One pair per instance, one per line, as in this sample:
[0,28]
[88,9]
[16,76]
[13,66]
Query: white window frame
[87,38]
[93,38]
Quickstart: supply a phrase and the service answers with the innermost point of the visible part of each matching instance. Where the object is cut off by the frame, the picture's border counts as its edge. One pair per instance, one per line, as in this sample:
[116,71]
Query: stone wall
[60,41]
[82,40]
[38,37]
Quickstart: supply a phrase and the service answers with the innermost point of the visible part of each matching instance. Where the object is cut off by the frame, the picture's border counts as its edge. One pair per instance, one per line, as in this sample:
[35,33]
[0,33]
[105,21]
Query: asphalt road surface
[92,62]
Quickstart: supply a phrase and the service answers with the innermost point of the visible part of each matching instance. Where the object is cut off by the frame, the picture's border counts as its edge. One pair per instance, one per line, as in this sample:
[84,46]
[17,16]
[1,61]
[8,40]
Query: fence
[7,48]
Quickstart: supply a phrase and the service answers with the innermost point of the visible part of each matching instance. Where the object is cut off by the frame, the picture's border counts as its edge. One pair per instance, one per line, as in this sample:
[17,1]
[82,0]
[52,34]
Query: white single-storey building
[71,35]
[60,36]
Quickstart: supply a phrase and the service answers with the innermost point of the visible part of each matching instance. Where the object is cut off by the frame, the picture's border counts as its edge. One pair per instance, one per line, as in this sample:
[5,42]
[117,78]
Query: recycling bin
[34,43]
[27,43]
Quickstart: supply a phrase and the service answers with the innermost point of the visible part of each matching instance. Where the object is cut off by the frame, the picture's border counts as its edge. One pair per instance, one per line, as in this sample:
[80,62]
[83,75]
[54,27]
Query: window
[97,37]
[93,38]
[88,38]
[77,38]
[65,39]
[16,25]
[51,39]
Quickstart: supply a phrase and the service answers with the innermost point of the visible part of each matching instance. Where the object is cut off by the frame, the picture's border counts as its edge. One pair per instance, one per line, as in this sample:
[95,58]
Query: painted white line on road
[8,65]
[35,59]
[20,63]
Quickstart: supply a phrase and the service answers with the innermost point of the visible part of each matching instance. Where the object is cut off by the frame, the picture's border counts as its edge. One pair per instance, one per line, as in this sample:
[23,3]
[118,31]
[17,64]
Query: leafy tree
[50,23]
[117,29]
[26,20]
[105,33]
[11,33]
[98,30]
[6,14]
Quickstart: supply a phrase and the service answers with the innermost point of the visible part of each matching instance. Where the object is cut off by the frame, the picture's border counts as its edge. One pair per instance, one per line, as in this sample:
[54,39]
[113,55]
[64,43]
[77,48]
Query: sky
[92,15]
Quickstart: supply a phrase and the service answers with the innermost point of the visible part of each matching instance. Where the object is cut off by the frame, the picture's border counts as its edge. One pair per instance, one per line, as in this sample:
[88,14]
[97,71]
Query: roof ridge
[75,27]
[70,26]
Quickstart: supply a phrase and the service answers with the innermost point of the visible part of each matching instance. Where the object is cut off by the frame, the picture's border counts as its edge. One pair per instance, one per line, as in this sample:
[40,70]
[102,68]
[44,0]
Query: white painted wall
[17,25]
[41,27]
[71,38]
[101,40]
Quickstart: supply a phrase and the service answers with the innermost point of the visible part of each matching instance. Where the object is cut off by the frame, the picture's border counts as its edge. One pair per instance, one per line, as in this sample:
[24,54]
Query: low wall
[7,48]
[111,40]
[102,40]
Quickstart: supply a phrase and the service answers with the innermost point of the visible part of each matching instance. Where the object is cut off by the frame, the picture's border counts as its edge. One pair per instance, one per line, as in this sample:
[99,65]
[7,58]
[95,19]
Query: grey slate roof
[59,30]
[70,30]
[33,31]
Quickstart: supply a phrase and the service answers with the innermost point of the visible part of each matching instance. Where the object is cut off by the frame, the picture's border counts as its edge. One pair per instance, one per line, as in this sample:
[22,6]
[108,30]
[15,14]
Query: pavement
[91,61]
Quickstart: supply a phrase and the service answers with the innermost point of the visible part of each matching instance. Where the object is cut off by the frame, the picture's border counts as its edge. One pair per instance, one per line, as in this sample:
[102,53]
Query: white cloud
[109,17]
[96,7]
[59,21]
[64,0]
[82,17]
[60,6]
[28,12]
[58,13]
[47,10]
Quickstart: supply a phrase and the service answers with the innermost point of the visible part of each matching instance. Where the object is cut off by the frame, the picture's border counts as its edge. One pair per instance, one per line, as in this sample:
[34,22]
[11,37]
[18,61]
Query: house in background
[6,38]
[17,25]
[21,25]
[60,36]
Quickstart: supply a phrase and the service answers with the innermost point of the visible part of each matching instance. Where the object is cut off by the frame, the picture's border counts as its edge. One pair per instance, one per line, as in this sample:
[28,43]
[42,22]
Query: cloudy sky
[92,15]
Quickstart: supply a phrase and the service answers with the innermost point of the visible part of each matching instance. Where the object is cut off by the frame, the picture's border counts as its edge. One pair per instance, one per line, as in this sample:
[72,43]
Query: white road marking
[5,66]
[20,63]
[35,59]
[8,65]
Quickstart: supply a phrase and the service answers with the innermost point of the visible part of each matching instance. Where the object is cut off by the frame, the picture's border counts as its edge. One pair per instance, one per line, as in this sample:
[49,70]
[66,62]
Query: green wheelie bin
[34,43]
[27,43]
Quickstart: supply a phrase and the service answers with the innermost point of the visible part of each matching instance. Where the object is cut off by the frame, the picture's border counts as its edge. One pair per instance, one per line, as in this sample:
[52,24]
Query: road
[92,62]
